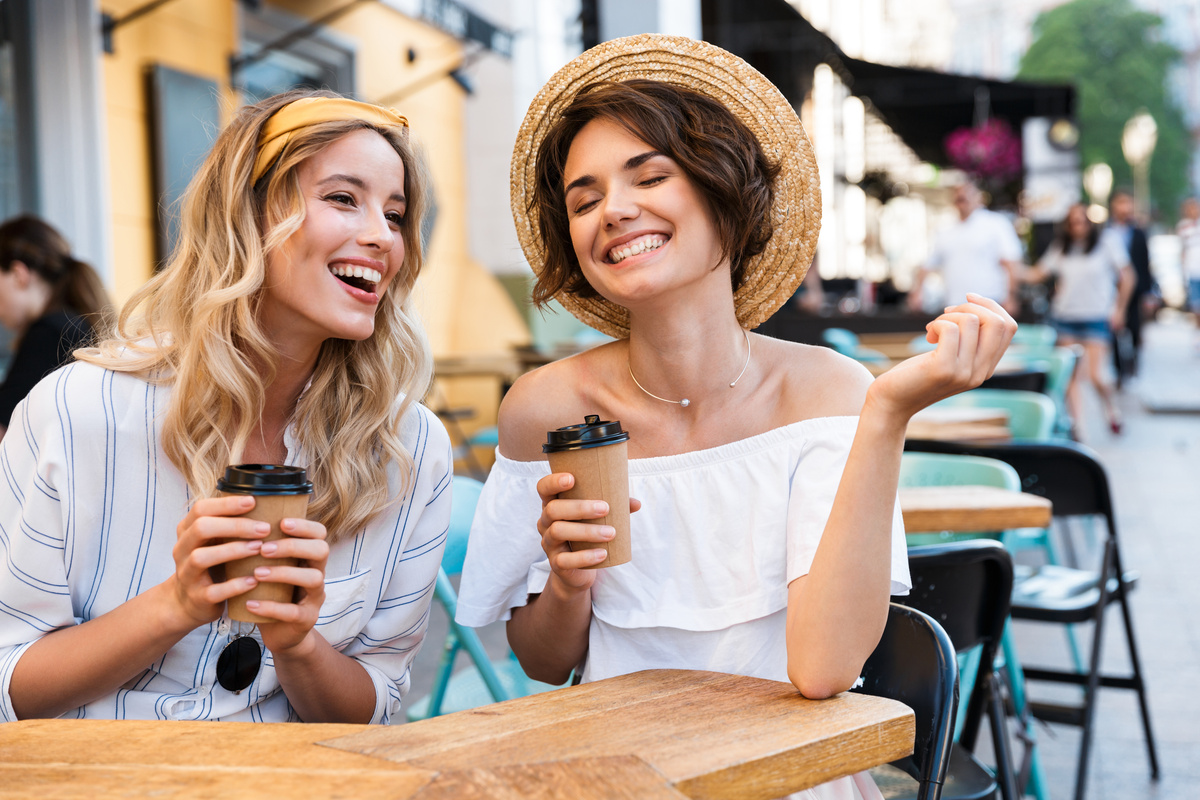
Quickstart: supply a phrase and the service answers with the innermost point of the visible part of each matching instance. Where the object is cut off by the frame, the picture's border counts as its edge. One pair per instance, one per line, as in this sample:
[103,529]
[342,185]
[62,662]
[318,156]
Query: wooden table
[960,423]
[655,734]
[968,509]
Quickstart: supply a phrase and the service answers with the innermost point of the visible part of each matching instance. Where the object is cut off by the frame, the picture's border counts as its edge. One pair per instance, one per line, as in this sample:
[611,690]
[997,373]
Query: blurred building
[105,112]
[991,36]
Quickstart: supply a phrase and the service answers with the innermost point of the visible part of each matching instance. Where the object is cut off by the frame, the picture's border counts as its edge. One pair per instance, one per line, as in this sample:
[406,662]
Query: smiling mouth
[362,278]
[642,244]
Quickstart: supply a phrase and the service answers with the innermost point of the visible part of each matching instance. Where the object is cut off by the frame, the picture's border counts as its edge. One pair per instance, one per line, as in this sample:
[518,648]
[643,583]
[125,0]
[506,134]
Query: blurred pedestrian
[1092,290]
[980,253]
[49,299]
[1189,236]
[1127,347]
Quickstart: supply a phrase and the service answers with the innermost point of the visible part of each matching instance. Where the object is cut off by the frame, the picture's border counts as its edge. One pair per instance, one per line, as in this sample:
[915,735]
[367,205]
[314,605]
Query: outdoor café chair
[1031,415]
[1072,478]
[967,587]
[914,663]
[490,680]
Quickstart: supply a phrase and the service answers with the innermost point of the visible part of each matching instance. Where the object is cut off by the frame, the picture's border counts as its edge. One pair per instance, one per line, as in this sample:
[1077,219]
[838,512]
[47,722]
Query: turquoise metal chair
[490,680]
[1036,334]
[846,342]
[1031,415]
[943,469]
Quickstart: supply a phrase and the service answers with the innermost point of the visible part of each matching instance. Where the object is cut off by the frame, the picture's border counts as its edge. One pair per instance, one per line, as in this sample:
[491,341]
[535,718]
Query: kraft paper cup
[597,454]
[279,493]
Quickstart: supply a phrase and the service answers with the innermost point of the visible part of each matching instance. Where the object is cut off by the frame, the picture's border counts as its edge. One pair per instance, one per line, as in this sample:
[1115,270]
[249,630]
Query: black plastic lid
[592,433]
[265,479]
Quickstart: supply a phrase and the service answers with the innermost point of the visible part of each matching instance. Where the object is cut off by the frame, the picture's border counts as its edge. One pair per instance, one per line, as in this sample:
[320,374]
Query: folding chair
[914,663]
[967,587]
[1073,479]
[490,680]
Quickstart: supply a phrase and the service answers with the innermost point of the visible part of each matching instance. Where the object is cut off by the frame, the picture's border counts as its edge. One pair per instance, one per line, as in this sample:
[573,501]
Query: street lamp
[1137,143]
[1097,182]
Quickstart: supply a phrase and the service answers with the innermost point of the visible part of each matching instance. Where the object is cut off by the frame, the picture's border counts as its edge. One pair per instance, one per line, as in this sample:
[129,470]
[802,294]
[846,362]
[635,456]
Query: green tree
[1114,55]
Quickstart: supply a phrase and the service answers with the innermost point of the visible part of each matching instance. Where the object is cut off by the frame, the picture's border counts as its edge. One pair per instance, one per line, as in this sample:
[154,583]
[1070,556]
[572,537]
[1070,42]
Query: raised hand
[970,340]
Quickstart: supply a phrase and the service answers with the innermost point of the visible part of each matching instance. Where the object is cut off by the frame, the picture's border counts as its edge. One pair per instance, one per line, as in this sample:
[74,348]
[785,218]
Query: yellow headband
[307,111]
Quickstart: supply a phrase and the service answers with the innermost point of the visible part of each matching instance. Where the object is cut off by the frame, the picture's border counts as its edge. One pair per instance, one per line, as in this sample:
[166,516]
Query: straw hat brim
[771,277]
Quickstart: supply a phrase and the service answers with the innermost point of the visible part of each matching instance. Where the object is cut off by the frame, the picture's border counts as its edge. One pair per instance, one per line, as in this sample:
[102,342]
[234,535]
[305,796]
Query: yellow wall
[194,36]
[465,308]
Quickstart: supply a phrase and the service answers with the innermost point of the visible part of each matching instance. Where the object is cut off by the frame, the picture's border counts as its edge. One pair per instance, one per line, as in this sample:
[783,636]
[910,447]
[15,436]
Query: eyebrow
[360,183]
[633,163]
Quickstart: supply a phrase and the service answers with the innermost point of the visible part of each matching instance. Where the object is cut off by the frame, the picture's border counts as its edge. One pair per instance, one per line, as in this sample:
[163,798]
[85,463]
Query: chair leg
[1092,686]
[1036,784]
[999,728]
[1135,661]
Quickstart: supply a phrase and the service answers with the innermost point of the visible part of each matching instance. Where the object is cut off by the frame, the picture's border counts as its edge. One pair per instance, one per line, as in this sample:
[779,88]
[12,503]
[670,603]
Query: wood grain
[709,734]
[107,758]
[970,509]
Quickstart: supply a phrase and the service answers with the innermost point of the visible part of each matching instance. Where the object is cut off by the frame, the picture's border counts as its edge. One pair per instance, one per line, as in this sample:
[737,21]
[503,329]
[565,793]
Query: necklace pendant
[685,402]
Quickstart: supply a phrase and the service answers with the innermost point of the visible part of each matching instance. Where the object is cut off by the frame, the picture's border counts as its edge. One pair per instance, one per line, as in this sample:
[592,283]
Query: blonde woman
[281,332]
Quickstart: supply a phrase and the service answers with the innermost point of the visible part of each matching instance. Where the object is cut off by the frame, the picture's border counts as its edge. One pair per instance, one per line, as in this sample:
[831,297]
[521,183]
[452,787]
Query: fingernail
[600,508]
[246,501]
[249,581]
[269,547]
[608,532]
[287,525]
[262,527]
[253,546]
[599,555]
[252,604]
[564,481]
[261,572]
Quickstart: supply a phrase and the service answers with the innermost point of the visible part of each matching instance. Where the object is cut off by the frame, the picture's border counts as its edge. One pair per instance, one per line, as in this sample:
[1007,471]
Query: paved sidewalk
[1154,468]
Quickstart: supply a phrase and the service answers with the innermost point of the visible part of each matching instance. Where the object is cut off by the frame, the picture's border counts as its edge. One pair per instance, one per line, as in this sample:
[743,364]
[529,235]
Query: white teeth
[637,247]
[366,273]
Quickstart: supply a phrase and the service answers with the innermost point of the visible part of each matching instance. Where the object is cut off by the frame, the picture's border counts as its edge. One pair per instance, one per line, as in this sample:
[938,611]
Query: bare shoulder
[815,381]
[546,398]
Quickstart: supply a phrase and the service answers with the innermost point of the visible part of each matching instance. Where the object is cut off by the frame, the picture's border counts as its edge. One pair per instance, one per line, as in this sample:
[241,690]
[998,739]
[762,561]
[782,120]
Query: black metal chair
[1072,477]
[1030,380]
[914,663]
[967,587]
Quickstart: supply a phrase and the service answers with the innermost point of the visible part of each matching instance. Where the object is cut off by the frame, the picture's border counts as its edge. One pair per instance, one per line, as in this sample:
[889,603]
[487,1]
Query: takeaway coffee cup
[279,491]
[596,453]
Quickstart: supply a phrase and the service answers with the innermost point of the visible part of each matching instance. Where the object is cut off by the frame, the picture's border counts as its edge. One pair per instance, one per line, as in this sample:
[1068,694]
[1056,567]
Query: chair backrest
[967,587]
[1031,415]
[1035,334]
[1067,473]
[914,663]
[1032,378]
[938,469]
[462,511]
[841,340]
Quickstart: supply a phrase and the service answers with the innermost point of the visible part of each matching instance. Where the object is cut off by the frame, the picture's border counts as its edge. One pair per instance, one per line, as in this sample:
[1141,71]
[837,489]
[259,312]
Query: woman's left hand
[304,540]
[970,340]
[1117,319]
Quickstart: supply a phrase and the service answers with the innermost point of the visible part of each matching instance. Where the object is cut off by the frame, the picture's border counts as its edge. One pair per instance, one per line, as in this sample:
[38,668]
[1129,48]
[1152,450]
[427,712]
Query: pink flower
[991,151]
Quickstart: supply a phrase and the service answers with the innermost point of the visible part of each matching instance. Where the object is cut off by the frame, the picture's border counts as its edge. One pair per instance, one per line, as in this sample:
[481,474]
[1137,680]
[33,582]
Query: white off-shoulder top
[720,534]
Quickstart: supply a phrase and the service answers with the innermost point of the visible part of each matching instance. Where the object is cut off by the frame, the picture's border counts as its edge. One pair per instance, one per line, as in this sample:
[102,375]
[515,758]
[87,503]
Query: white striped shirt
[89,505]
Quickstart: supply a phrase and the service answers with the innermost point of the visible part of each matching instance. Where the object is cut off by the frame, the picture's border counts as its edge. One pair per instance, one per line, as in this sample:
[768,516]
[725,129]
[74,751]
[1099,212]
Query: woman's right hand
[201,543]
[564,521]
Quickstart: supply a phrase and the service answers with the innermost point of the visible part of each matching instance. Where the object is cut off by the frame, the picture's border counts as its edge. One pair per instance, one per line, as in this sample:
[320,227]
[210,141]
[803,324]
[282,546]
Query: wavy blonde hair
[194,326]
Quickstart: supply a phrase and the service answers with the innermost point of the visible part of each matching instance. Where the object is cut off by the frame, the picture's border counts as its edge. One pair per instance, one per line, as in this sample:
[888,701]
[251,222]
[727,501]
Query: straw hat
[772,276]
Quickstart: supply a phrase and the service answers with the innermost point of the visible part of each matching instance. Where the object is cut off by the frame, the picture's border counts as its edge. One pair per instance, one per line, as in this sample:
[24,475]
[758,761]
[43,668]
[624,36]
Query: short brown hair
[716,151]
